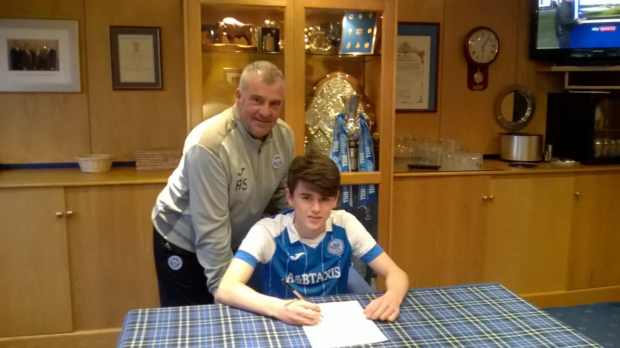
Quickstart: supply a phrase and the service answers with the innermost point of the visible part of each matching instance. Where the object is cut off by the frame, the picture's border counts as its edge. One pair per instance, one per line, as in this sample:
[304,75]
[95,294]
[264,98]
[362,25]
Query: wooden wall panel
[539,83]
[421,10]
[125,121]
[45,127]
[422,124]
[466,115]
[462,114]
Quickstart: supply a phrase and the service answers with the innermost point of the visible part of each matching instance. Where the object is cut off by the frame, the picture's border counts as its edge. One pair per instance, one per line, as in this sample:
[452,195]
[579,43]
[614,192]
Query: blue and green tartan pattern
[483,315]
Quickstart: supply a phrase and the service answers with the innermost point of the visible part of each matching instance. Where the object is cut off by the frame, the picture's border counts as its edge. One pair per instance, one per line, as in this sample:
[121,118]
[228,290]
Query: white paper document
[343,324]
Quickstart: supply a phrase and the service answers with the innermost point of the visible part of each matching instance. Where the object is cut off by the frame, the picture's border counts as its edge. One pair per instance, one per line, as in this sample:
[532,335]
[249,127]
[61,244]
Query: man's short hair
[268,73]
[318,173]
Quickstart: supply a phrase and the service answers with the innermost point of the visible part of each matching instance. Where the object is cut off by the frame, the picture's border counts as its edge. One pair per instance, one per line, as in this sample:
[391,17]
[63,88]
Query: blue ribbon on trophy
[367,195]
[340,156]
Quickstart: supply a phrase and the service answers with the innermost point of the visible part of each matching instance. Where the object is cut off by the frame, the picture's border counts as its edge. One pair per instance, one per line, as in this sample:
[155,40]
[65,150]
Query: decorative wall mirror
[514,107]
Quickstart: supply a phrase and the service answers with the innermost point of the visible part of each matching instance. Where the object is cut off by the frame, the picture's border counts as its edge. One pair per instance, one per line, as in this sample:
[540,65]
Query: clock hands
[484,44]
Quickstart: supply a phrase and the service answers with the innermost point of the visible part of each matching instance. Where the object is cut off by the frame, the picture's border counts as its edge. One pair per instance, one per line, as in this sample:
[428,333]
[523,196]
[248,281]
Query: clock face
[483,46]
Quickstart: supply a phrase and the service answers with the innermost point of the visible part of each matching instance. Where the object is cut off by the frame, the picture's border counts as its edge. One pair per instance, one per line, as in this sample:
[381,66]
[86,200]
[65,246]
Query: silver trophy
[352,126]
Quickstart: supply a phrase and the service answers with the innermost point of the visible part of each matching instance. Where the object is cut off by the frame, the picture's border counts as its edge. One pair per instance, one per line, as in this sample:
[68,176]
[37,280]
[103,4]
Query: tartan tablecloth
[484,315]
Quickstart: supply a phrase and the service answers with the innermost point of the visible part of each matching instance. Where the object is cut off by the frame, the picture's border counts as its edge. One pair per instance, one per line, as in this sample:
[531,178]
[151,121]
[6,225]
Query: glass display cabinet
[338,59]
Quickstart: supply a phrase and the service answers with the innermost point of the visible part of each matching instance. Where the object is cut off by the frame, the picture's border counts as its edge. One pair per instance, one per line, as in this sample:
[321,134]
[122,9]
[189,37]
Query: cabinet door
[35,296]
[595,244]
[439,228]
[110,239]
[528,232]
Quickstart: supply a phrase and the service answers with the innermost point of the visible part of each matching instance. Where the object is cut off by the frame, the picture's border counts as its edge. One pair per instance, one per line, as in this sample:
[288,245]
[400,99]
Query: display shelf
[358,178]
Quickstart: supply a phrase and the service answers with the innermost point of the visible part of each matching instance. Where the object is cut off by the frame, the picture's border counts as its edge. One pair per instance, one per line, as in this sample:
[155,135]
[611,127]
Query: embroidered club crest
[277,161]
[335,247]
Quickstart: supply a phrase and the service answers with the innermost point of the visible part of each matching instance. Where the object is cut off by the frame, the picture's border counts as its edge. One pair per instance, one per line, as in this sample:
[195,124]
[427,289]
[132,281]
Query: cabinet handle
[577,194]
[484,198]
[59,214]
[69,213]
[490,198]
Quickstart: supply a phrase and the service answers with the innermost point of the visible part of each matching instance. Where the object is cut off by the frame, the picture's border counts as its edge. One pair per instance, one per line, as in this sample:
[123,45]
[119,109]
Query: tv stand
[586,64]
[583,68]
[603,77]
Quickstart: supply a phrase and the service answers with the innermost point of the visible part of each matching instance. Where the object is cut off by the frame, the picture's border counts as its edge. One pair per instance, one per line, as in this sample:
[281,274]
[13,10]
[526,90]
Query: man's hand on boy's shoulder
[297,312]
[386,307]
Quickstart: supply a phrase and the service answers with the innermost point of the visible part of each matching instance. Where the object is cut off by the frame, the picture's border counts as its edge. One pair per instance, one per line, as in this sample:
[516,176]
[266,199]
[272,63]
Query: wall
[463,114]
[57,127]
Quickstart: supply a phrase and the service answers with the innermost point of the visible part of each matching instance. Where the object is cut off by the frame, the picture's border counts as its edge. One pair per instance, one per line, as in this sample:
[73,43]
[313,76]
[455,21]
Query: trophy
[351,104]
[232,29]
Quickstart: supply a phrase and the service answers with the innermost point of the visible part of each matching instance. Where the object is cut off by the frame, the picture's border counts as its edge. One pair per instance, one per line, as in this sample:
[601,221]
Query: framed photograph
[268,40]
[136,57]
[39,56]
[417,57]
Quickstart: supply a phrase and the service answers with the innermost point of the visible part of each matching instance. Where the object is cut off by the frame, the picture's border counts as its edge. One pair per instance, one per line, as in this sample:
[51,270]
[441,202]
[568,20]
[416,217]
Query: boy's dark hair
[317,171]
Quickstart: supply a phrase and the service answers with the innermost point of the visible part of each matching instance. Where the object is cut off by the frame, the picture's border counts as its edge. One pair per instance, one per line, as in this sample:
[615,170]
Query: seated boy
[310,248]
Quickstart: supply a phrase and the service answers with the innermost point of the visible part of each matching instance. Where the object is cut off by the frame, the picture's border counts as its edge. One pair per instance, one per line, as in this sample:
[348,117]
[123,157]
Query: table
[481,315]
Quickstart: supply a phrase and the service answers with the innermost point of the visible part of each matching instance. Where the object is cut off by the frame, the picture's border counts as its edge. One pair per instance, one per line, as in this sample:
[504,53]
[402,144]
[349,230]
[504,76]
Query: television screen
[575,26]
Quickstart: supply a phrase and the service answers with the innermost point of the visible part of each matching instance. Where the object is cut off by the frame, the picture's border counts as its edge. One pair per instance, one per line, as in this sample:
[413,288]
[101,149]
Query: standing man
[51,58]
[42,63]
[15,62]
[565,22]
[27,58]
[233,170]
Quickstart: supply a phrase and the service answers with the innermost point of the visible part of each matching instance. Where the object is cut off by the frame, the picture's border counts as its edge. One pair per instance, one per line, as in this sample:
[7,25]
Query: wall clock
[481,49]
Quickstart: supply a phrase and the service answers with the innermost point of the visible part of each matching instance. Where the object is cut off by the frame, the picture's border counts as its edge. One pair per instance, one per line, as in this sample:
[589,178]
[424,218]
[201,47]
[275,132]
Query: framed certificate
[136,57]
[416,67]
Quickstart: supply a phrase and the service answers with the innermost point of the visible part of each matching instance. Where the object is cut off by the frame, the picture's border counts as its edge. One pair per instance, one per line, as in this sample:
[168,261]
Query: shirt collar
[293,235]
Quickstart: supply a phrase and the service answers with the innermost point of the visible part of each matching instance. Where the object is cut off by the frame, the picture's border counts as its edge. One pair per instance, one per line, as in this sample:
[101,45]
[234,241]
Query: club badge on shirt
[175,262]
[335,247]
[277,161]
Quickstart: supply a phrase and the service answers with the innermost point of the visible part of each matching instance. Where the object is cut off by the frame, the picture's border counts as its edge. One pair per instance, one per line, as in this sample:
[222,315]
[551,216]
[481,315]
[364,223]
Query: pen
[288,286]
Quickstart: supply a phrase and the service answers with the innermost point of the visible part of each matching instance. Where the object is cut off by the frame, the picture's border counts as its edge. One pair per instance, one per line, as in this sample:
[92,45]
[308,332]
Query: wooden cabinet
[35,296]
[540,235]
[111,253]
[74,260]
[595,243]
[213,71]
[439,229]
[528,232]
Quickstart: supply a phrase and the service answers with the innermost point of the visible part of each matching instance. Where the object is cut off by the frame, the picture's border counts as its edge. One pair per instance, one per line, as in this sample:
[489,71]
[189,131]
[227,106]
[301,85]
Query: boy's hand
[386,307]
[297,312]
